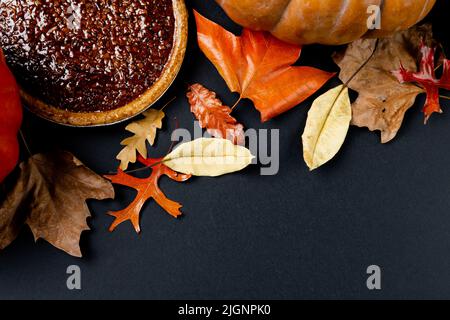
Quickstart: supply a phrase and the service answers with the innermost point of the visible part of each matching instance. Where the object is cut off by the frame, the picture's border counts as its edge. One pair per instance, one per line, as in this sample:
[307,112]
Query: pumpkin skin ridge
[251,20]
[426,8]
[280,17]
[296,28]
[364,30]
[326,23]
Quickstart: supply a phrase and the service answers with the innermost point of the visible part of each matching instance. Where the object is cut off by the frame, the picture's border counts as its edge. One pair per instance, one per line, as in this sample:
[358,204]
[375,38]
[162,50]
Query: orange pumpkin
[329,22]
[10,119]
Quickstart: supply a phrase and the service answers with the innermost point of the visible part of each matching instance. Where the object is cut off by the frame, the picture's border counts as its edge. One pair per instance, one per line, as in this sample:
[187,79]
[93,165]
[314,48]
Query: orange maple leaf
[259,67]
[213,115]
[147,189]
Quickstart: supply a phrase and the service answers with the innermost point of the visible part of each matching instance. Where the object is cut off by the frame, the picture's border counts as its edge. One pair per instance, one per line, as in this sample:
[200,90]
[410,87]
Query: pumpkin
[331,22]
[10,119]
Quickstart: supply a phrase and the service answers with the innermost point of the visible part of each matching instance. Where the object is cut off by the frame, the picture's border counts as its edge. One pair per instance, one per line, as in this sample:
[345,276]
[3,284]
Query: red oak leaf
[147,189]
[259,67]
[426,78]
[213,115]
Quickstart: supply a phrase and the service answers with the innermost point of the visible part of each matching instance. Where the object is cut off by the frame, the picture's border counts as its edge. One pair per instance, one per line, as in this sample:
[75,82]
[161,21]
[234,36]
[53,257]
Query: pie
[87,63]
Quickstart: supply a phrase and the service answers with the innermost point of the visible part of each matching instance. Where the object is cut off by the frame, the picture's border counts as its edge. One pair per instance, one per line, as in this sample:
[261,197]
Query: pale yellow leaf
[327,126]
[144,130]
[208,157]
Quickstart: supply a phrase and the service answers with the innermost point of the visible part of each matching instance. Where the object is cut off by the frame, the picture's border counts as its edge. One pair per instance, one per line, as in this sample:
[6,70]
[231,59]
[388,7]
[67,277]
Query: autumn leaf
[147,189]
[208,157]
[144,130]
[327,126]
[382,101]
[213,115]
[426,78]
[50,197]
[201,157]
[259,67]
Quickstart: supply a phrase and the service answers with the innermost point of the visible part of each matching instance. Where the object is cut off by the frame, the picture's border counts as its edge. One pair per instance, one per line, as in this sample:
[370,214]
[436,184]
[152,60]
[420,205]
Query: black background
[246,236]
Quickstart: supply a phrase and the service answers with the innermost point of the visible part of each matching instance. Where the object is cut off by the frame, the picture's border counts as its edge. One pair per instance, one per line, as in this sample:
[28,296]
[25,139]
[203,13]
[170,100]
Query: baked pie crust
[137,106]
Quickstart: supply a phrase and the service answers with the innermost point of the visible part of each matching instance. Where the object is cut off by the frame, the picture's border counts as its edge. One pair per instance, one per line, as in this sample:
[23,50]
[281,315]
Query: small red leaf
[426,78]
[147,189]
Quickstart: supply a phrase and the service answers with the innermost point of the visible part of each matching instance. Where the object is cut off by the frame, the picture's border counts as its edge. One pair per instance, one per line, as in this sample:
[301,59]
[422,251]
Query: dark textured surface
[294,235]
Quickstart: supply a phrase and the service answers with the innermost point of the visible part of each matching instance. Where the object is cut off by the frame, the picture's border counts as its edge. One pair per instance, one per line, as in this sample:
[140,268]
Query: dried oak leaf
[426,78]
[259,67]
[382,101]
[144,130]
[147,188]
[213,115]
[49,196]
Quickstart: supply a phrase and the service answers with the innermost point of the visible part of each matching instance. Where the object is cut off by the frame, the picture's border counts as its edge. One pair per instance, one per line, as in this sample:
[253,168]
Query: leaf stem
[236,104]
[364,64]
[169,102]
[140,169]
[443,50]
[25,143]
[444,97]
[418,86]
[145,168]
[345,85]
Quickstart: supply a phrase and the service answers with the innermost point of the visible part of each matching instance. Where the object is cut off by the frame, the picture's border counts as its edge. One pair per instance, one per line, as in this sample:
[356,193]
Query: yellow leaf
[327,126]
[144,130]
[208,157]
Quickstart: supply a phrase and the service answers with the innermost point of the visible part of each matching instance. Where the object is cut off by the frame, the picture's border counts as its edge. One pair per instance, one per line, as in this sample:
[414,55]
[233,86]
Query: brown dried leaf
[382,101]
[49,197]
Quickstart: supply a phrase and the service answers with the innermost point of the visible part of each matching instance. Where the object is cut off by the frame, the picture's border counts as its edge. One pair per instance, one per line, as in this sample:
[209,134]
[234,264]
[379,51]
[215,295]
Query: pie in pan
[89,63]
